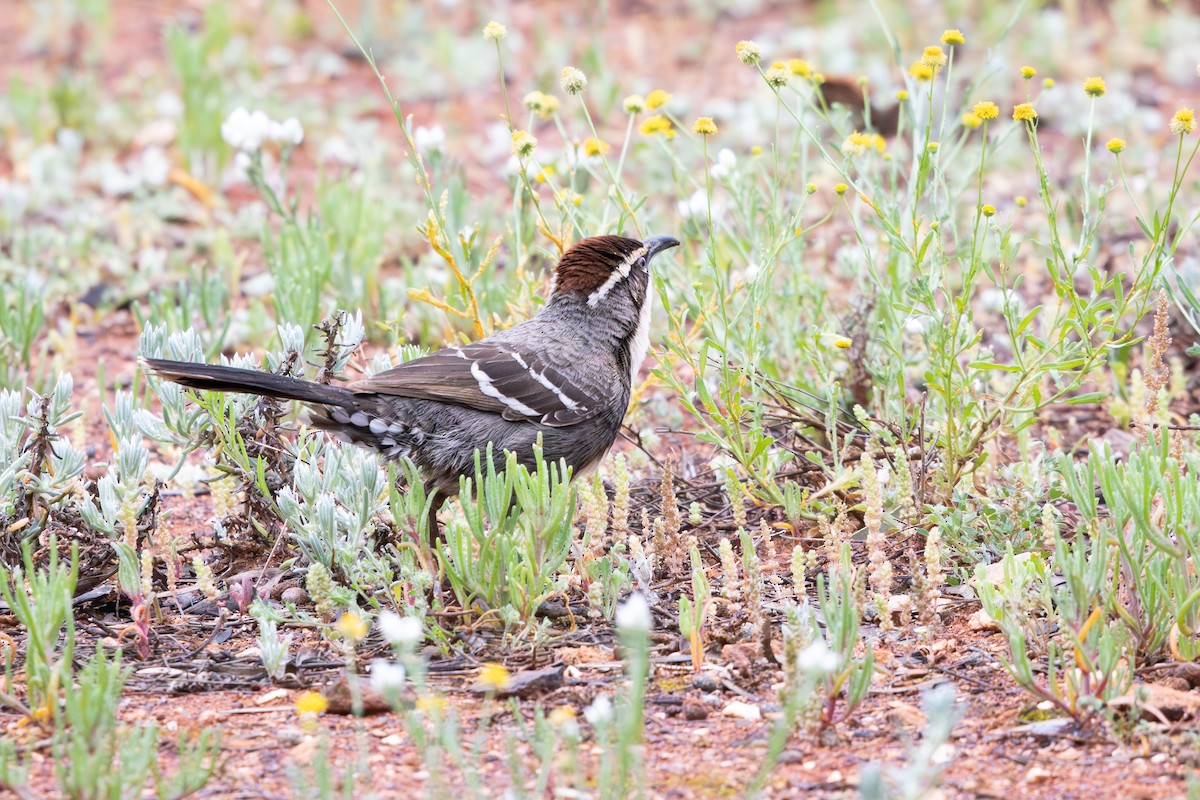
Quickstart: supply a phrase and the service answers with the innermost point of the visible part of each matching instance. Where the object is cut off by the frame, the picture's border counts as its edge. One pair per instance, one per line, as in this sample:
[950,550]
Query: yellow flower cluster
[1115,146]
[1094,87]
[1025,112]
[800,68]
[986,110]
[858,143]
[657,124]
[704,126]
[935,57]
[494,31]
[778,75]
[953,36]
[594,147]
[748,52]
[921,71]
[657,99]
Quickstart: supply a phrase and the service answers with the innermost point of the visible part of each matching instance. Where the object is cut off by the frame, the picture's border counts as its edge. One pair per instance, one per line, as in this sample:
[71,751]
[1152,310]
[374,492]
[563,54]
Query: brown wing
[499,377]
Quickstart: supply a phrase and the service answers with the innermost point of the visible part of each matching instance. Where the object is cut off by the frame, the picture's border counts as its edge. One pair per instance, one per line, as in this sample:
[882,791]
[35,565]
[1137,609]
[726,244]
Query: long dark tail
[216,378]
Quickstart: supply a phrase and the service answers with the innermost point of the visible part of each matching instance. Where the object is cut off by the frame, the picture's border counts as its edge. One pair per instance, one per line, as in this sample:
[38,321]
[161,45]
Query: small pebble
[706,682]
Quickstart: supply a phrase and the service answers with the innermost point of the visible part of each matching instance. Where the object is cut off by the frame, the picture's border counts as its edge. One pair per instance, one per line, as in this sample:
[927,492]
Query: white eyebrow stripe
[618,275]
[485,386]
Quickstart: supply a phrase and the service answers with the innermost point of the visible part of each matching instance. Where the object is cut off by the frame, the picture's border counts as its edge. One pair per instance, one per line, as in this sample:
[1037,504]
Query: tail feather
[217,378]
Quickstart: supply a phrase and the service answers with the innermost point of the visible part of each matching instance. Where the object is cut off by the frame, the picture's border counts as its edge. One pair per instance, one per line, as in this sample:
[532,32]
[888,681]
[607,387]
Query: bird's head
[609,273]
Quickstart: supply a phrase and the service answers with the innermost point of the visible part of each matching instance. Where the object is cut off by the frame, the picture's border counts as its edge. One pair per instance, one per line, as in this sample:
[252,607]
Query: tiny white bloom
[634,615]
[600,711]
[288,132]
[817,659]
[429,139]
[245,130]
[155,166]
[695,206]
[400,630]
[726,162]
[916,326]
[386,676]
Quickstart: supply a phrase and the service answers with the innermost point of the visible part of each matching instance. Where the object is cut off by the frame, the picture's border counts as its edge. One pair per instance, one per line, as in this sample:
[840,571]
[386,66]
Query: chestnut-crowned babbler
[564,375]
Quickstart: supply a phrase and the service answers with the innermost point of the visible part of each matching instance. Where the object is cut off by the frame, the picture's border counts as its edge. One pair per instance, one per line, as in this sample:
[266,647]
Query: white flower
[429,139]
[635,614]
[386,676]
[155,166]
[600,711]
[726,163]
[245,130]
[695,206]
[169,105]
[288,132]
[916,326]
[400,630]
[817,659]
[338,150]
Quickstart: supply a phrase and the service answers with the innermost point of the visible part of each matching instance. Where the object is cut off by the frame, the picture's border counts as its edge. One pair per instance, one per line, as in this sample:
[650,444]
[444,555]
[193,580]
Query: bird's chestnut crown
[595,266]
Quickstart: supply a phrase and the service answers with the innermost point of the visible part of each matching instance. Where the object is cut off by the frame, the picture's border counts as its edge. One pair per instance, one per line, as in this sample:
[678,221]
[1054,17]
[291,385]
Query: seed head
[542,104]
[634,104]
[523,144]
[572,80]
[1094,87]
[748,52]
[494,31]
[704,126]
[778,75]
[1184,122]
[953,36]
[1115,146]
[1025,112]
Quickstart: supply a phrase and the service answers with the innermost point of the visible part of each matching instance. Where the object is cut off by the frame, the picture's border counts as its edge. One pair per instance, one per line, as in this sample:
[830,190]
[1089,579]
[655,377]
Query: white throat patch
[639,343]
[619,274]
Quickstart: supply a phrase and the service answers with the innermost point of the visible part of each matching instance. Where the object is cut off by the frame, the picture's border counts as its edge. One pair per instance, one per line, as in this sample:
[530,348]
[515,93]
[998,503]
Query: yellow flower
[800,67]
[704,126]
[1048,83]
[594,147]
[818,78]
[921,71]
[493,676]
[655,125]
[932,147]
[842,343]
[523,143]
[494,31]
[657,99]
[755,150]
[560,716]
[971,120]
[352,626]
[988,209]
[934,56]
[953,36]
[311,703]
[878,142]
[902,95]
[431,704]
[1028,72]
[1184,122]
[986,110]
[856,144]
[841,188]
[749,53]
[1025,112]
[1094,87]
[1115,145]
[811,187]
[1021,201]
